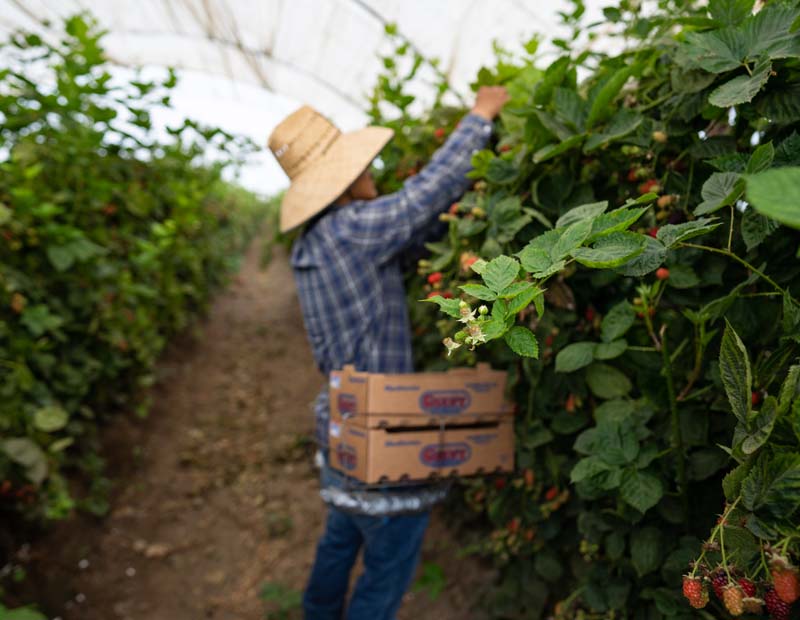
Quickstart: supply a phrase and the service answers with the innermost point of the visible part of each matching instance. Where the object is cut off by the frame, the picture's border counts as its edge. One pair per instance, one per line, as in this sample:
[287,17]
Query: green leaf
[522,341]
[61,256]
[790,390]
[588,467]
[524,299]
[732,483]
[716,51]
[730,12]
[25,452]
[624,122]
[501,172]
[641,489]
[607,382]
[682,276]
[448,306]
[756,228]
[50,419]
[582,212]
[761,159]
[769,33]
[548,565]
[615,221]
[773,485]
[734,367]
[536,257]
[572,237]
[672,234]
[720,189]
[776,194]
[575,356]
[479,266]
[610,350]
[617,322]
[762,425]
[706,462]
[743,88]
[570,107]
[647,544]
[601,107]
[479,291]
[553,150]
[20,613]
[38,319]
[611,251]
[648,261]
[500,272]
[515,289]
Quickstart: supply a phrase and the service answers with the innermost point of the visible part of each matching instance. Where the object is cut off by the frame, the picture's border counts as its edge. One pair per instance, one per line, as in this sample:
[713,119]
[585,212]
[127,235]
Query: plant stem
[736,258]
[677,437]
[715,532]
[730,230]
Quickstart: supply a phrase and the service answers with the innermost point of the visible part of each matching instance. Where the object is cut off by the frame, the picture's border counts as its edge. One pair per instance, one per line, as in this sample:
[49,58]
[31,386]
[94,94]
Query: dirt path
[215,494]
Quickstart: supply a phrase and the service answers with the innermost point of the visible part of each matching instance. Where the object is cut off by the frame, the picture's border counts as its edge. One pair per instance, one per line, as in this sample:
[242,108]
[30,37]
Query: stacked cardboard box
[392,427]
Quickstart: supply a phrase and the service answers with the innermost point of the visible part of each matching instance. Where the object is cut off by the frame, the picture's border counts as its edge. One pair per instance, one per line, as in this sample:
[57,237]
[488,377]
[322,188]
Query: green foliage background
[631,205]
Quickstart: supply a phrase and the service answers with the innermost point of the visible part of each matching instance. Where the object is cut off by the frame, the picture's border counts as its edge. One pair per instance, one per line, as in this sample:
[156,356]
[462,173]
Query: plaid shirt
[348,271]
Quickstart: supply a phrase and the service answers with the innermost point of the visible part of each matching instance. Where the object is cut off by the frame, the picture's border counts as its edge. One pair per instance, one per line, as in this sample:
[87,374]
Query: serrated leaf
[623,123]
[570,238]
[478,291]
[776,194]
[575,356]
[524,299]
[611,251]
[716,51]
[743,88]
[500,272]
[448,306]
[478,266]
[789,390]
[601,107]
[730,12]
[522,341]
[25,452]
[761,427]
[720,190]
[576,214]
[734,367]
[672,234]
[769,33]
[648,261]
[756,227]
[615,221]
[588,468]
[641,489]
[761,159]
[647,544]
[607,382]
[617,322]
[515,289]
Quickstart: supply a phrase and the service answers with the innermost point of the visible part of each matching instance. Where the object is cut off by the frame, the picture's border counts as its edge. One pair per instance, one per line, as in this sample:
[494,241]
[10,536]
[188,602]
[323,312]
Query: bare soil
[215,493]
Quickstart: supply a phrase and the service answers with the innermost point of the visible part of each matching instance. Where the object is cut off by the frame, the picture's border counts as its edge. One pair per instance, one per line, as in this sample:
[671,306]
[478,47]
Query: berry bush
[110,240]
[629,252]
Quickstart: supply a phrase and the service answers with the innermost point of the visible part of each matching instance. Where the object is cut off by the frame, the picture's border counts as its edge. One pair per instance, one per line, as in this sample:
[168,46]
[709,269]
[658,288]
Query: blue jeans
[391,552]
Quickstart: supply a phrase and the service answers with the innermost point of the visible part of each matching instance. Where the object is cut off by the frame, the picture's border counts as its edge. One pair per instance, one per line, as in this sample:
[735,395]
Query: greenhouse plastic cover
[247,63]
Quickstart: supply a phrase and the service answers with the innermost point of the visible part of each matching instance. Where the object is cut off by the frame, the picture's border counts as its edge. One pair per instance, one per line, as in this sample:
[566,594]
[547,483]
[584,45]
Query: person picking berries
[346,264]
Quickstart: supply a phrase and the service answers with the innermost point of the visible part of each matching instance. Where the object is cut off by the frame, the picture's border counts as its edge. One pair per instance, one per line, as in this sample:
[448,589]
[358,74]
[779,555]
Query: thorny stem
[736,258]
[714,533]
[677,437]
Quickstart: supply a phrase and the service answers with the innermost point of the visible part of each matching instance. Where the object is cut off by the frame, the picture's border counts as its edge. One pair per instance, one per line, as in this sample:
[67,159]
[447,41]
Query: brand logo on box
[445,455]
[346,456]
[445,401]
[347,404]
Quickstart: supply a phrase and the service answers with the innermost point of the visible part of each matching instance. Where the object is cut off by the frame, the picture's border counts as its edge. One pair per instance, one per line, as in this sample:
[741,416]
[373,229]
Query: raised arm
[384,226]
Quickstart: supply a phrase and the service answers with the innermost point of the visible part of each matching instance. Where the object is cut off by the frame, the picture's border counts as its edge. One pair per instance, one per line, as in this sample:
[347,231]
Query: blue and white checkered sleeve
[384,226]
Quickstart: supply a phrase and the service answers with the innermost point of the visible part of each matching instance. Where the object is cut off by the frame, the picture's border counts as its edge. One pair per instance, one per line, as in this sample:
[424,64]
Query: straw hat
[321,161]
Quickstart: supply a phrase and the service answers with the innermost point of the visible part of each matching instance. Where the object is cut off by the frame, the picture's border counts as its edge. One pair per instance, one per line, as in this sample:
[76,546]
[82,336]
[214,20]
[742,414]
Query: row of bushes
[619,223]
[111,239]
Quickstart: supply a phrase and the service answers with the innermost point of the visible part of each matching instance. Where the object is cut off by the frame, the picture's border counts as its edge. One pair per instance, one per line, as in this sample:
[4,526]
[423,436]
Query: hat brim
[330,176]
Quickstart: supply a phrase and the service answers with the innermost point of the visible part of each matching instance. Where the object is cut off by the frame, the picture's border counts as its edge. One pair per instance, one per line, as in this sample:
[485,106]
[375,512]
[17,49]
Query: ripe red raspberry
[732,596]
[718,583]
[695,592]
[505,148]
[662,273]
[653,232]
[755,398]
[551,493]
[433,294]
[435,277]
[500,483]
[439,133]
[447,295]
[651,185]
[570,405]
[632,176]
[778,609]
[786,584]
[747,586]
[589,314]
[453,210]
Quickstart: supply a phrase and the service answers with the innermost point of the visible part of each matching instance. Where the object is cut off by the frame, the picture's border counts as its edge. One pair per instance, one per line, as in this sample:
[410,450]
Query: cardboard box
[458,396]
[376,455]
